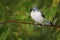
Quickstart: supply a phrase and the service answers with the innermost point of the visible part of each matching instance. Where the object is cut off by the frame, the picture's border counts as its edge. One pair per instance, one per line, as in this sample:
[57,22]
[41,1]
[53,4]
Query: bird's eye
[33,10]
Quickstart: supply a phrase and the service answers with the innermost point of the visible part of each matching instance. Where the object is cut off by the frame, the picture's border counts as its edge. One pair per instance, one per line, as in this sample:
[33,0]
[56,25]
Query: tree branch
[24,22]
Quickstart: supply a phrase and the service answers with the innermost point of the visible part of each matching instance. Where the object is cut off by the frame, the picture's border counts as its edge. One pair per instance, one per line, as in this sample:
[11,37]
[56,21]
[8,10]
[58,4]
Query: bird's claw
[42,25]
[35,27]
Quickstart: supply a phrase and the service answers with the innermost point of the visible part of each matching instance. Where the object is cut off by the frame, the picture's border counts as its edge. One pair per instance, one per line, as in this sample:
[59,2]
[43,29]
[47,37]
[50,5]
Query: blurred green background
[19,10]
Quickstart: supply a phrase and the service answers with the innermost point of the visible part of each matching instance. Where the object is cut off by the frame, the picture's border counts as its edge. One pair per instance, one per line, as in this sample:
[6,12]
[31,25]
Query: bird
[38,17]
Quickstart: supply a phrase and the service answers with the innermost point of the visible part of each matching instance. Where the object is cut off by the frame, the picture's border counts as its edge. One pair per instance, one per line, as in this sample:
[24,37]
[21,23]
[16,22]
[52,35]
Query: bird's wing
[47,22]
[42,14]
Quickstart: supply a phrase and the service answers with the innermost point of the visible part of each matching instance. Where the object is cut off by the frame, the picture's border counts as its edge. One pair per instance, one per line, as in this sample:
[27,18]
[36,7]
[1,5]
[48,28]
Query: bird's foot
[35,27]
[42,25]
[34,24]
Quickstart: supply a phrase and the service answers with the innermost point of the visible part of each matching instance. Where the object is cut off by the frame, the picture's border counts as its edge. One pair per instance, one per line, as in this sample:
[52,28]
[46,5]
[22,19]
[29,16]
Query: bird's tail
[47,22]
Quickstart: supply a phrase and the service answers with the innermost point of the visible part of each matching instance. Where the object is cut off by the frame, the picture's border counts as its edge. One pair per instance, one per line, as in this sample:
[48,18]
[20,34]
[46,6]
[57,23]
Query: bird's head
[34,8]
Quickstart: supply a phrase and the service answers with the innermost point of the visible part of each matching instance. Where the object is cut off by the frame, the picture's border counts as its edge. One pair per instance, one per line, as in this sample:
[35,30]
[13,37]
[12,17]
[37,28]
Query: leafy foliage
[19,10]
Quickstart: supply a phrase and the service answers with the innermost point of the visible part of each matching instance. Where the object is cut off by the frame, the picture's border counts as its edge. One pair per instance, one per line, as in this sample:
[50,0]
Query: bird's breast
[36,16]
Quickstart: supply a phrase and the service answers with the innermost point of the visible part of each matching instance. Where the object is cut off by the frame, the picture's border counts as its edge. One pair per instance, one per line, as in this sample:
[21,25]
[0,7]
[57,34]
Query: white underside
[37,17]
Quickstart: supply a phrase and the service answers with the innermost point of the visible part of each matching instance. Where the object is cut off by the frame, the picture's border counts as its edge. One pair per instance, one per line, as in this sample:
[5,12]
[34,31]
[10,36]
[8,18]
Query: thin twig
[24,22]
